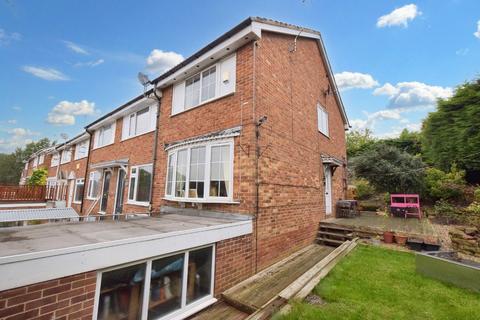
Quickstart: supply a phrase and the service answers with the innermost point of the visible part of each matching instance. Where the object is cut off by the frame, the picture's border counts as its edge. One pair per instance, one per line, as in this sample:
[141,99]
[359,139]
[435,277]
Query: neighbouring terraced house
[236,154]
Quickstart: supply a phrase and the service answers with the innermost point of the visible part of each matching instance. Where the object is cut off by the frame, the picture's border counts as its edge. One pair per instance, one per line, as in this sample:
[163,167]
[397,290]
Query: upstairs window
[41,159]
[201,173]
[139,122]
[213,82]
[66,156]
[105,135]
[81,149]
[322,120]
[55,160]
[140,184]
[35,162]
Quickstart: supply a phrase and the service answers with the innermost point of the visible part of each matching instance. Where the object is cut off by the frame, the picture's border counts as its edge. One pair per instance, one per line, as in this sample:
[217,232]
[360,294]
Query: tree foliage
[38,177]
[408,141]
[11,165]
[359,141]
[445,185]
[452,133]
[389,169]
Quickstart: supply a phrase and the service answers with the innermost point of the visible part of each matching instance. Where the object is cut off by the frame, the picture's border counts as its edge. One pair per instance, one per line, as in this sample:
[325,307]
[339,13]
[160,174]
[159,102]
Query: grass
[377,283]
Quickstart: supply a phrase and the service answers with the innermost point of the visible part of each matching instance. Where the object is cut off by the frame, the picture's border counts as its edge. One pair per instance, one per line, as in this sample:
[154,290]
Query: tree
[11,165]
[389,169]
[38,177]
[452,133]
[358,141]
[408,141]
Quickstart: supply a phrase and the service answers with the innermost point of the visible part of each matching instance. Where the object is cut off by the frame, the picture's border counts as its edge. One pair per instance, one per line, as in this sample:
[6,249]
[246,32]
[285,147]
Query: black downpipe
[86,169]
[155,146]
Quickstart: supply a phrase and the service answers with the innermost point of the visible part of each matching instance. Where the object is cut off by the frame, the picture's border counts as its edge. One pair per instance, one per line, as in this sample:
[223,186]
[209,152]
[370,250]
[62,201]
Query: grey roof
[37,214]
[226,133]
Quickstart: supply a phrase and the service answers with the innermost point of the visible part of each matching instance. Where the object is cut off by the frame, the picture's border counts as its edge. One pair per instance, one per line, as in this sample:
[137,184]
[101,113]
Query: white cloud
[413,94]
[462,52]
[349,80]
[373,118]
[65,111]
[12,121]
[399,17]
[76,48]
[92,64]
[45,73]
[160,61]
[477,33]
[6,38]
[17,108]
[18,138]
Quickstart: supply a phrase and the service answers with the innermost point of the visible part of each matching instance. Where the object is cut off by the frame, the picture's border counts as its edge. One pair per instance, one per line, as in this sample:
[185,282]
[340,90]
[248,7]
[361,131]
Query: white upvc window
[201,172]
[322,120]
[79,186]
[167,287]
[35,162]
[211,83]
[66,155]
[81,149]
[140,184]
[139,122]
[41,158]
[55,159]
[93,185]
[105,135]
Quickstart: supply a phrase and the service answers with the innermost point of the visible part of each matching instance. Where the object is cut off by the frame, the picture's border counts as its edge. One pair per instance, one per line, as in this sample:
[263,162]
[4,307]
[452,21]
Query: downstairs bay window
[201,173]
[158,288]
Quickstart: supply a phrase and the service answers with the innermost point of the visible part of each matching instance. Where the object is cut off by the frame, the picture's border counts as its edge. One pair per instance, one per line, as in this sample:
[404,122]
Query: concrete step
[334,227]
[331,242]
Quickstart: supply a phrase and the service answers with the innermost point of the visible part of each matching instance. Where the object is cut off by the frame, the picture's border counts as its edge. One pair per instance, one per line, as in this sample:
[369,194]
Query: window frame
[41,159]
[89,196]
[185,309]
[77,147]
[100,131]
[322,115]
[134,115]
[64,152]
[208,150]
[130,176]
[75,190]
[55,160]
[200,87]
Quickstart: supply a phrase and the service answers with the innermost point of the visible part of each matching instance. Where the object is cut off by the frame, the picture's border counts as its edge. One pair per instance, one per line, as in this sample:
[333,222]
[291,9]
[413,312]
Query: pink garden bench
[405,205]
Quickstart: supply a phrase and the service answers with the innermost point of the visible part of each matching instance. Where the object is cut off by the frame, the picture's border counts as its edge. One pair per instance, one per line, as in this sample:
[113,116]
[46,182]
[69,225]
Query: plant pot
[400,239]
[388,237]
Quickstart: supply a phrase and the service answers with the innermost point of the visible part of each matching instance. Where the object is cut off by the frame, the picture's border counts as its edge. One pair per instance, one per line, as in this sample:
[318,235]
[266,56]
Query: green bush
[363,189]
[442,185]
[445,212]
[476,195]
[38,177]
[472,214]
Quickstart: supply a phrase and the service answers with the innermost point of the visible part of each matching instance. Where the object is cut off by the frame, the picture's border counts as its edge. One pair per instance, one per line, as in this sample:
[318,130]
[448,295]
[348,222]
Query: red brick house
[240,155]
[40,159]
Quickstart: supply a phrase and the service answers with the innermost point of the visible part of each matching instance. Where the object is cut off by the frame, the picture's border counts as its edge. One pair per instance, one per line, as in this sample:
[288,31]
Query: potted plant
[388,236]
[401,238]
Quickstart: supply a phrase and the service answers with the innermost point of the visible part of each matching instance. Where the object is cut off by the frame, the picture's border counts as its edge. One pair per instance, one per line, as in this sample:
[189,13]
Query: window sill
[100,147]
[323,134]
[91,199]
[191,309]
[203,103]
[76,202]
[138,203]
[138,135]
[80,158]
[200,200]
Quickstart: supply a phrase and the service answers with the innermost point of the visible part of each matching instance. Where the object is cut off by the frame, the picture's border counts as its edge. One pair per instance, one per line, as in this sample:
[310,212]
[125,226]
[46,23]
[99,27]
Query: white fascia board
[81,138]
[259,26]
[217,53]
[16,270]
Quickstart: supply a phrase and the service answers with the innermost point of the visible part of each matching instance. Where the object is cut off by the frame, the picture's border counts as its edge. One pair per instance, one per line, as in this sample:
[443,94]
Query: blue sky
[64,63]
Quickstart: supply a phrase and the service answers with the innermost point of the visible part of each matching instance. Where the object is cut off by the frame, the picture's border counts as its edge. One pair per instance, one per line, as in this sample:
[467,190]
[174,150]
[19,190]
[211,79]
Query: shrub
[476,195]
[442,185]
[445,212]
[472,214]
[363,189]
[38,177]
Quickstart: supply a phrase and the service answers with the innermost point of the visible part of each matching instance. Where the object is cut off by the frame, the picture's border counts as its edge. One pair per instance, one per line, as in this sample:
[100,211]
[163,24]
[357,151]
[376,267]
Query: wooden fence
[23,193]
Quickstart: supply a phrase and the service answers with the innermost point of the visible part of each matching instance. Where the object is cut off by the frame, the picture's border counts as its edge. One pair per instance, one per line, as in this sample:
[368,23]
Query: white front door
[71,187]
[328,190]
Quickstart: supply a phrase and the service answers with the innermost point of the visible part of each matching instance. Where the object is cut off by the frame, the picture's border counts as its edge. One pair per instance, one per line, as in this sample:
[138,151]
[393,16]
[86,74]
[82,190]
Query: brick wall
[234,262]
[65,298]
[138,150]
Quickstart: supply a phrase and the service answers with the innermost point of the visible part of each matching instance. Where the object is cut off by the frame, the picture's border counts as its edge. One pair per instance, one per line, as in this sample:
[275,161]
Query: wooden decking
[220,310]
[256,291]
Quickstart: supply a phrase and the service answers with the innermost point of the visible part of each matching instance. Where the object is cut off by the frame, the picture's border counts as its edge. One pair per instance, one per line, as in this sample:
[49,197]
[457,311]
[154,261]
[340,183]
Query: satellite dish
[143,79]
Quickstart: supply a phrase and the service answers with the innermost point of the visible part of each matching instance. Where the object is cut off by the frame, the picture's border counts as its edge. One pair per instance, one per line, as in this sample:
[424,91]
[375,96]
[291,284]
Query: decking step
[335,234]
[332,241]
[334,227]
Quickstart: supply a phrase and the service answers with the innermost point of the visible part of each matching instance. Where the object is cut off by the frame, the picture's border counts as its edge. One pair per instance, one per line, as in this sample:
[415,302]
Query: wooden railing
[22,193]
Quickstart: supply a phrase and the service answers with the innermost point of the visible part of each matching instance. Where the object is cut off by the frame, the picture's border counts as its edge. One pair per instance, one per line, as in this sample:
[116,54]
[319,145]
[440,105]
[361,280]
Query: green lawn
[376,283]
